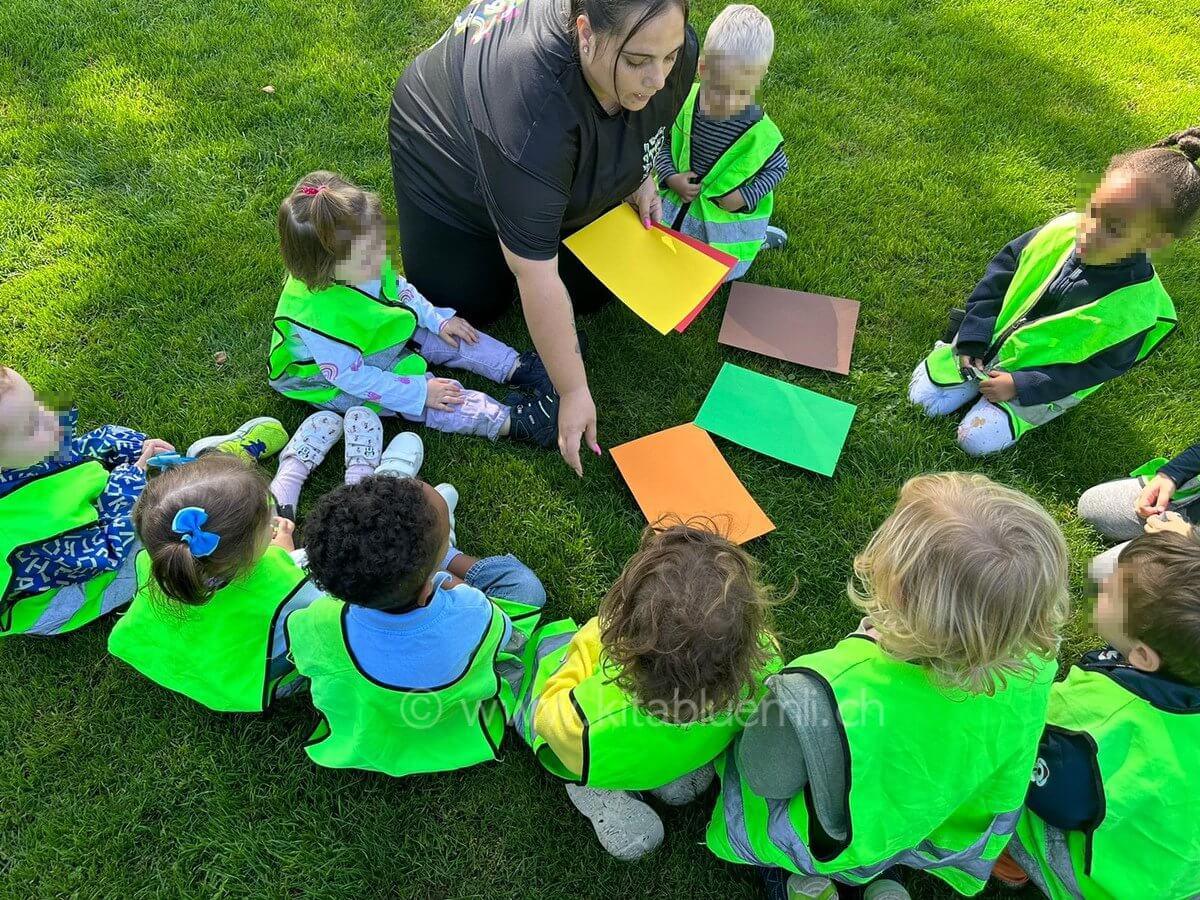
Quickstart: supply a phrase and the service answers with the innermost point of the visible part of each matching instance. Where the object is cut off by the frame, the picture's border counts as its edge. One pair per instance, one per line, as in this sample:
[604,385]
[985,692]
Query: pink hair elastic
[309,191]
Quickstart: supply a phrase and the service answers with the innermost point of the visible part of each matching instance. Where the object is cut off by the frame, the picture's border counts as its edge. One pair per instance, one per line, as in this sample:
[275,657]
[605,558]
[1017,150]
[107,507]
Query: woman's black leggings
[467,272]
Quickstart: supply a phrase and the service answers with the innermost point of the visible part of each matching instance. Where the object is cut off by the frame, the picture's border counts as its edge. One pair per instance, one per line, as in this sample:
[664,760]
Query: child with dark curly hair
[648,693]
[413,658]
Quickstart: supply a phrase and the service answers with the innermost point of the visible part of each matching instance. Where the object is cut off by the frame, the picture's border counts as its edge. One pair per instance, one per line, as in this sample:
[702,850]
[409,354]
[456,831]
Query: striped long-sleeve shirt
[711,138]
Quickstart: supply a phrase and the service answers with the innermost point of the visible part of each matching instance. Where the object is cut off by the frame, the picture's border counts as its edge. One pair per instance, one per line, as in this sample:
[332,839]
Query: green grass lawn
[140,169]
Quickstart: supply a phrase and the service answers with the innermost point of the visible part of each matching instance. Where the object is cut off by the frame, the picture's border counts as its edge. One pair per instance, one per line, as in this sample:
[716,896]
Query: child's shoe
[534,420]
[254,441]
[403,456]
[684,790]
[450,494]
[364,443]
[627,827]
[886,889]
[304,452]
[530,374]
[776,238]
[811,887]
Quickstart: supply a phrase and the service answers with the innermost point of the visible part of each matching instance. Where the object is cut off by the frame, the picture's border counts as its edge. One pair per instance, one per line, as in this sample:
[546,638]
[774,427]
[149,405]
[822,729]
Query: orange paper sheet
[680,472]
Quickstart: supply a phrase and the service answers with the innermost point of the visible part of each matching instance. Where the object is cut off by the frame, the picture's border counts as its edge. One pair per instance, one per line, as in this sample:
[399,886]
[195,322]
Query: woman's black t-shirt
[493,129]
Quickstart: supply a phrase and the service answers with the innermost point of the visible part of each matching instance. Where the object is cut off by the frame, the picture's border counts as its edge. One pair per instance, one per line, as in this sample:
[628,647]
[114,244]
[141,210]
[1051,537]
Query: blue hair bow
[188,522]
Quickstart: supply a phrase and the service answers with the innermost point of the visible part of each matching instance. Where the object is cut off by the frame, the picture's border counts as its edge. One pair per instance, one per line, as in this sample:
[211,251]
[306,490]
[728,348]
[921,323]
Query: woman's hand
[443,394]
[576,424]
[647,202]
[1155,496]
[457,328]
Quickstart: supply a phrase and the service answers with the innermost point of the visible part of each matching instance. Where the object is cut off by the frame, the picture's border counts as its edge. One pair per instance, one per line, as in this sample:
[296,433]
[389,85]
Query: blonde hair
[967,578]
[742,32]
[318,221]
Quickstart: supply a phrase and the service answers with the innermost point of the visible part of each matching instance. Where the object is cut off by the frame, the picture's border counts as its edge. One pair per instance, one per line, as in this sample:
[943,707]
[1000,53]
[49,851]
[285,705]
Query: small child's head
[204,524]
[1147,199]
[737,50]
[1150,608]
[29,431]
[331,230]
[966,577]
[378,542]
[687,624]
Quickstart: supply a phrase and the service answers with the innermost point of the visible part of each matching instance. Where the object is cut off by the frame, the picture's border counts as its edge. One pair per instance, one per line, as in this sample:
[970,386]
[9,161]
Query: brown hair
[234,496]
[1160,583]
[966,577]
[687,624]
[1169,171]
[318,220]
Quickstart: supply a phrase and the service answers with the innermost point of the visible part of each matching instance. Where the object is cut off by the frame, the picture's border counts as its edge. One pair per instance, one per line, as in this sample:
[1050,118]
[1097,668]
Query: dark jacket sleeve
[983,306]
[1048,383]
[1066,791]
[1184,467]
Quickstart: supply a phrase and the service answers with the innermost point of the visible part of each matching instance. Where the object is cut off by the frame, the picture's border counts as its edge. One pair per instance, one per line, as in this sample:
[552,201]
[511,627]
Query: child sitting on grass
[1114,807]
[412,658]
[648,693]
[348,331]
[1068,306]
[910,742]
[66,531]
[726,155]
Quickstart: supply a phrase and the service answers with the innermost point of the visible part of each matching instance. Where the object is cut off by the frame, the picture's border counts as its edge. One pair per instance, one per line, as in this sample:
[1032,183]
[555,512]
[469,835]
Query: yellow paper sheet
[652,272]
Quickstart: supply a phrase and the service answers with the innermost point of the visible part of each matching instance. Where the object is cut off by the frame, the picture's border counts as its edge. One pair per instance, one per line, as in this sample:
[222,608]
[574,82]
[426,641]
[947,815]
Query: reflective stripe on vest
[217,653]
[957,819]
[37,511]
[739,234]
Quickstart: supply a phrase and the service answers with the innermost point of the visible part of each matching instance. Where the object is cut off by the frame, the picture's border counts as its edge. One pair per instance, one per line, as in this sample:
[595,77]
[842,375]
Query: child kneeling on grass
[910,742]
[1114,807]
[646,695]
[1068,306]
[348,331]
[66,532]
[413,658]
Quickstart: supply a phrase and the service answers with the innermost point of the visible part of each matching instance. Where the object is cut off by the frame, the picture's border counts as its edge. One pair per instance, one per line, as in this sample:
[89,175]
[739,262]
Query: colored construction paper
[656,274]
[777,419]
[716,254]
[809,329]
[680,472]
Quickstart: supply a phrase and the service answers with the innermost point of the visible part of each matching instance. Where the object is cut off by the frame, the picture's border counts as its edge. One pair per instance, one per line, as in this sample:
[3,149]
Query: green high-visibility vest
[625,747]
[217,653]
[1147,762]
[936,777]
[42,509]
[399,731]
[377,327]
[739,234]
[1072,336]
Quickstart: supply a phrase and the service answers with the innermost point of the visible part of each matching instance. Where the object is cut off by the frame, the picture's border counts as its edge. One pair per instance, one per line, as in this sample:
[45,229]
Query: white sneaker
[364,438]
[450,494]
[314,439]
[627,827]
[687,788]
[403,456]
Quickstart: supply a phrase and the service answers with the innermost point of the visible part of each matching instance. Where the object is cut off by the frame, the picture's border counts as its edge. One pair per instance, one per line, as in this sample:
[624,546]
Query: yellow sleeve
[556,719]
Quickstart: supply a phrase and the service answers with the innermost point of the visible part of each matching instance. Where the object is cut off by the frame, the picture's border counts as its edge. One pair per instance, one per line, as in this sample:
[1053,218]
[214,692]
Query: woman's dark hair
[318,220]
[374,543]
[1170,171]
[608,17]
[233,496]
[687,624]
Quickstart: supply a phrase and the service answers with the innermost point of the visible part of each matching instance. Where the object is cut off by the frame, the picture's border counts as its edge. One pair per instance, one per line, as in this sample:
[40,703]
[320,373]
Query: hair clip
[310,190]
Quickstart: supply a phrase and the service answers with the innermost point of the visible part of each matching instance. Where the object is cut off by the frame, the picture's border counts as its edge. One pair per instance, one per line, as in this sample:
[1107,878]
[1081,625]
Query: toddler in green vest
[644,696]
[726,157]
[215,585]
[413,657]
[348,331]
[1114,805]
[1066,307]
[910,742]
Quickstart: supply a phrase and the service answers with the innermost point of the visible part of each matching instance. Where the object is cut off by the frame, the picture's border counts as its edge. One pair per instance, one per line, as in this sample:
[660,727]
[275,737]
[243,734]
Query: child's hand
[998,387]
[1168,522]
[281,533]
[458,328]
[686,185]
[443,394]
[152,447]
[734,202]
[1155,496]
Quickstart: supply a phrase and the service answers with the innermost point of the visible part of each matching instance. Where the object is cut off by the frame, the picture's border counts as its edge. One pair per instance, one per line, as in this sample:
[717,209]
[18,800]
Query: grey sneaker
[886,889]
[627,827]
[811,887]
[684,790]
[776,238]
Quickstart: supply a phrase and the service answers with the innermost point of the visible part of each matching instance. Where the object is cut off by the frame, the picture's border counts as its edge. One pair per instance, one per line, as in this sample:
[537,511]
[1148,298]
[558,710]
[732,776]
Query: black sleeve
[1066,790]
[1184,467]
[1044,384]
[526,210]
[983,306]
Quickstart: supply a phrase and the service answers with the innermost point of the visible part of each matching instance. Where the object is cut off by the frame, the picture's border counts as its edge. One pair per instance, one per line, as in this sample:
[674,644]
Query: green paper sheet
[777,419]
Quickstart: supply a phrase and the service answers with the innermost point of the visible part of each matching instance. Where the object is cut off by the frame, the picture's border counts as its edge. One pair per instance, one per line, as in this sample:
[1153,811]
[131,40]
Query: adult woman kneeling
[526,121]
